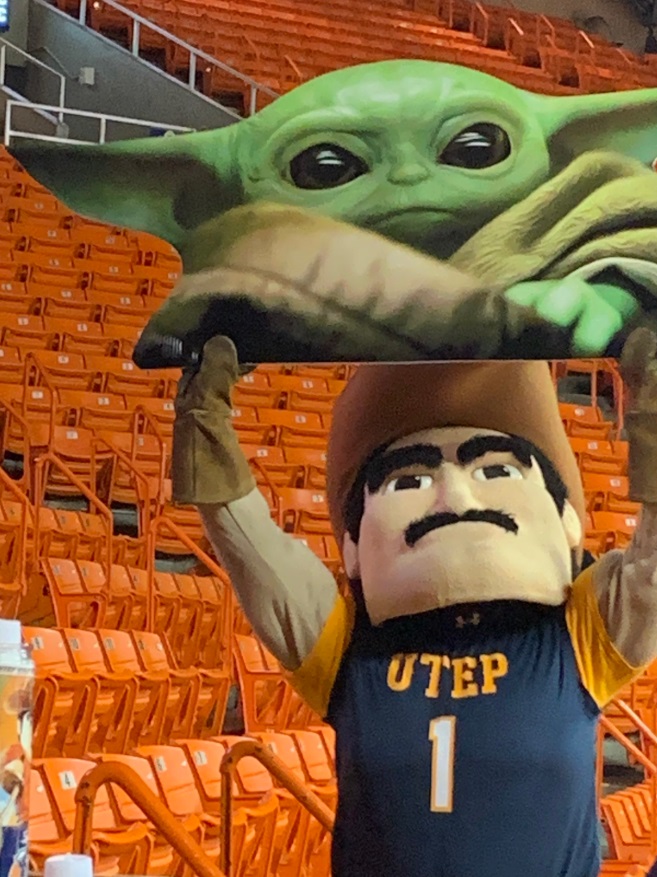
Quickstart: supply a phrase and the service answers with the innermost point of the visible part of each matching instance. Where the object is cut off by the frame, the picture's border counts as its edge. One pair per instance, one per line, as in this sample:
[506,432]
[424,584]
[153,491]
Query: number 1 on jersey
[442,732]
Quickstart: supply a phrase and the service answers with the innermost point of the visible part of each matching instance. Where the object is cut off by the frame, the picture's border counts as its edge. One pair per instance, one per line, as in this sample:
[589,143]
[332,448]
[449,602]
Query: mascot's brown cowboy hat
[384,403]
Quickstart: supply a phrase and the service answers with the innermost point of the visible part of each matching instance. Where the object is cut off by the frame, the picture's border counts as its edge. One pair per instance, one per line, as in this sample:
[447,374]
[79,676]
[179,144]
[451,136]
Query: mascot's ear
[624,122]
[572,526]
[350,557]
[162,185]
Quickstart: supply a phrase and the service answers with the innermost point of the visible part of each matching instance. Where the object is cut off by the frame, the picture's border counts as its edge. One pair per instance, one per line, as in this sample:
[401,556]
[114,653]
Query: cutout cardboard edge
[502,224]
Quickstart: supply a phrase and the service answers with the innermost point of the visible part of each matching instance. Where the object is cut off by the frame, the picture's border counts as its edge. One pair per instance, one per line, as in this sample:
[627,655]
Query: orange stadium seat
[253,844]
[162,859]
[608,493]
[118,375]
[117,692]
[125,850]
[11,366]
[74,605]
[95,411]
[297,837]
[294,428]
[214,650]
[266,695]
[618,527]
[184,685]
[178,791]
[125,607]
[64,699]
[302,511]
[52,369]
[151,702]
[45,837]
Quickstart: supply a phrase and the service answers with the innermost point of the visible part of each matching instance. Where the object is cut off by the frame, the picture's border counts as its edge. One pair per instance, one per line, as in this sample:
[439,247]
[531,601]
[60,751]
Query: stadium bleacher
[281,43]
[138,642]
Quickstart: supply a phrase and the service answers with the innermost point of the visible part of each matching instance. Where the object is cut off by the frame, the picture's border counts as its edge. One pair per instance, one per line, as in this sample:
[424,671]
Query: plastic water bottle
[16,686]
[68,865]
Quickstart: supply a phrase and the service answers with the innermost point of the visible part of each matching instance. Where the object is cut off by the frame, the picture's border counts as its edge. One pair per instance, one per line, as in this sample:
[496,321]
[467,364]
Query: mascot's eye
[409,482]
[477,147]
[325,166]
[499,470]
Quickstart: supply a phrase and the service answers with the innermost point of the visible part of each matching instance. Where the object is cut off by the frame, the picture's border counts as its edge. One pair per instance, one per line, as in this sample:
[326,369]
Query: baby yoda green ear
[162,185]
[623,122]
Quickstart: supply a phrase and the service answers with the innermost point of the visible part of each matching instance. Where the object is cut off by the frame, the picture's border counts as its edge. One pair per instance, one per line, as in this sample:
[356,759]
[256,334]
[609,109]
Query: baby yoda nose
[408,174]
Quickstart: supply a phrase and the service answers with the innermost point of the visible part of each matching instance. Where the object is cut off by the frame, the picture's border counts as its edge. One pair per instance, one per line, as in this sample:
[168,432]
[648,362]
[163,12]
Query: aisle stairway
[281,43]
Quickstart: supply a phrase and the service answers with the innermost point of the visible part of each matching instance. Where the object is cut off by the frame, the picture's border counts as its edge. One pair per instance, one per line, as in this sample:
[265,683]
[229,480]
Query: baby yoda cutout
[395,211]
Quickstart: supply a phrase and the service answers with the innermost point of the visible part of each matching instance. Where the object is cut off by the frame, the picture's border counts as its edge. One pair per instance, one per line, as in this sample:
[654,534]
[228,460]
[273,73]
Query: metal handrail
[103,119]
[51,459]
[137,790]
[163,522]
[7,483]
[194,54]
[276,767]
[513,31]
[480,11]
[5,45]
[606,726]
[583,37]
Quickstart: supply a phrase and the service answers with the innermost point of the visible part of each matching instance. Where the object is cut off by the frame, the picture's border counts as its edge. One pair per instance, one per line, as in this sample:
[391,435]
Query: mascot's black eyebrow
[383,465]
[479,445]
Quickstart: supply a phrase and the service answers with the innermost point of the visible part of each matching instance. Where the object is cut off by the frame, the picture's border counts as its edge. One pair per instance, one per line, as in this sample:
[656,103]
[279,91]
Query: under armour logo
[475,618]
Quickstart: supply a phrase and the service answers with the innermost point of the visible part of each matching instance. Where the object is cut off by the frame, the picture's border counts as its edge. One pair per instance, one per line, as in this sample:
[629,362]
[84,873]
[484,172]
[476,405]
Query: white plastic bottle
[16,687]
[68,865]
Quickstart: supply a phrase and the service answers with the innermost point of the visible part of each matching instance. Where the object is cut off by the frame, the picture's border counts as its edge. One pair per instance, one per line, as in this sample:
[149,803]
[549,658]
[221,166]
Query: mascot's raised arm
[465,672]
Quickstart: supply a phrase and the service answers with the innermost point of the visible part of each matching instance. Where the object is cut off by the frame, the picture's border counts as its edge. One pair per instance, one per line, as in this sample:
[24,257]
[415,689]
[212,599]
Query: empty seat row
[272,833]
[106,690]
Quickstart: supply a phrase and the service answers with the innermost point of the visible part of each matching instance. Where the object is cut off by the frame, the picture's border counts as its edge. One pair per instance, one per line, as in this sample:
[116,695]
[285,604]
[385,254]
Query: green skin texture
[397,116]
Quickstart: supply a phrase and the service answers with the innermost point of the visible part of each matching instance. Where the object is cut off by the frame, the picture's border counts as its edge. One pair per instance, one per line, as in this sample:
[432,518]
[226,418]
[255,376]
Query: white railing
[195,55]
[103,120]
[6,46]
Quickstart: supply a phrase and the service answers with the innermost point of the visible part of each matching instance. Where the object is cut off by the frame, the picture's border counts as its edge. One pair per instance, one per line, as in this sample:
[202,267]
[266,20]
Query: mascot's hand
[207,464]
[639,371]
[594,313]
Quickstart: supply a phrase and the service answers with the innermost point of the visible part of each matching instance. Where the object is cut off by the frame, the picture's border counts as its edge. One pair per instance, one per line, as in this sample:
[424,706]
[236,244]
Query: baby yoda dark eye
[325,166]
[477,147]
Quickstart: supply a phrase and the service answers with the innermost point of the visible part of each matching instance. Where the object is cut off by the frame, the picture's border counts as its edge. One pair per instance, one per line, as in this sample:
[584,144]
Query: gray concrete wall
[63,43]
[622,24]
[17,33]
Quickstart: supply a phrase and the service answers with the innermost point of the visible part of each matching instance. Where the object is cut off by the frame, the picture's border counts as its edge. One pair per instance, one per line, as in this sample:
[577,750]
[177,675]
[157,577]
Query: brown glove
[208,465]
[639,372]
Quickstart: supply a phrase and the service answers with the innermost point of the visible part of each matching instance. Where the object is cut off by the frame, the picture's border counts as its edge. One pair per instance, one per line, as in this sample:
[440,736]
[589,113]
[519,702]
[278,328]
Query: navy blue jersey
[466,738]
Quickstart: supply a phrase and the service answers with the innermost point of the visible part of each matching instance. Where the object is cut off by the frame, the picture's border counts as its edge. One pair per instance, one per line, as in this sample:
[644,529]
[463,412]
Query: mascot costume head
[454,483]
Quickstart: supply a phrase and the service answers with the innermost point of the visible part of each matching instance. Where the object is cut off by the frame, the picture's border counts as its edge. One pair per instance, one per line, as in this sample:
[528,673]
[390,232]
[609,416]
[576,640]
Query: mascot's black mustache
[418,529]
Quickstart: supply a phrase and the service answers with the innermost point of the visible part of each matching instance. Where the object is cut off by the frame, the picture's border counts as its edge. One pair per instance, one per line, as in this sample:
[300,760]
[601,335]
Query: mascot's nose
[452,491]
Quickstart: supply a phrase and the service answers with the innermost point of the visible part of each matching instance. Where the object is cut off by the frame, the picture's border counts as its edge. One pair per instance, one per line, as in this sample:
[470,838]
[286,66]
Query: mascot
[466,668]
[419,211]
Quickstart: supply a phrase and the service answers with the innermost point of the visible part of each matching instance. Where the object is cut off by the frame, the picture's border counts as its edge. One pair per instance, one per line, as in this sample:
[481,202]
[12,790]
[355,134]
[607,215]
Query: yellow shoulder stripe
[603,670]
[315,678]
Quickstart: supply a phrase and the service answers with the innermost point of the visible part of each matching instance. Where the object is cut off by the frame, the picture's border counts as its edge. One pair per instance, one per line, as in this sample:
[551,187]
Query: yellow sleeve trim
[602,668]
[315,678]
